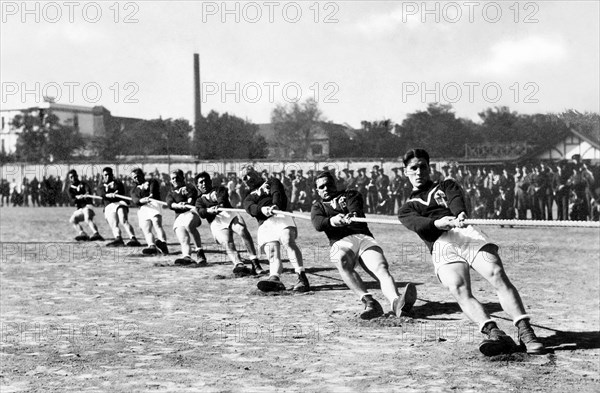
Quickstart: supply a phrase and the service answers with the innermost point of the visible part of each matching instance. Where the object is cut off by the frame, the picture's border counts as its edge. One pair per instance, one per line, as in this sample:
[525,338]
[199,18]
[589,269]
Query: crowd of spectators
[565,190]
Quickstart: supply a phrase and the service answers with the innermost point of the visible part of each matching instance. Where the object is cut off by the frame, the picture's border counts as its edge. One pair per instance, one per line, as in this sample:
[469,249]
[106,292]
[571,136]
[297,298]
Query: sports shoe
[150,250]
[403,304]
[201,258]
[116,243]
[372,308]
[302,284]
[133,243]
[497,342]
[240,270]
[96,237]
[82,238]
[162,247]
[271,284]
[529,341]
[185,261]
[257,269]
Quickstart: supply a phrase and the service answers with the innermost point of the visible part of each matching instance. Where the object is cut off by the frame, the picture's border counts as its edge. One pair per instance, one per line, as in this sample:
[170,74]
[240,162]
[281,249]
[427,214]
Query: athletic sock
[522,320]
[488,327]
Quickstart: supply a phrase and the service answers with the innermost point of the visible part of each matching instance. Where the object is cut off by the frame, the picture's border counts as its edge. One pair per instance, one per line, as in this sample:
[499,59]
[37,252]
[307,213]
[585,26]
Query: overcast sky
[362,60]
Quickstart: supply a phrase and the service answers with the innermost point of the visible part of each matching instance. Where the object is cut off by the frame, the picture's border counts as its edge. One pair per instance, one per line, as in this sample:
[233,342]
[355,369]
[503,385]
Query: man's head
[416,162]
[325,185]
[107,174]
[138,176]
[252,179]
[203,182]
[177,178]
[72,175]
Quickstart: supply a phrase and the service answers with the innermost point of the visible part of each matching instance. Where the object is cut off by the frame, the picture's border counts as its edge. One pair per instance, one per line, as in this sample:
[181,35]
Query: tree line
[225,136]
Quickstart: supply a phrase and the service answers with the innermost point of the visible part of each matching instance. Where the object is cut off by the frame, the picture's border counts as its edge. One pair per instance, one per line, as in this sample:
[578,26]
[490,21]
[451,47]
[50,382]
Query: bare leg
[125,221]
[288,239]
[241,229]
[456,278]
[158,228]
[489,265]
[184,240]
[375,261]
[273,251]
[225,238]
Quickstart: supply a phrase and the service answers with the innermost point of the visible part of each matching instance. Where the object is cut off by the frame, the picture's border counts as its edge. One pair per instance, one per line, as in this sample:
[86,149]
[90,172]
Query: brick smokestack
[197,101]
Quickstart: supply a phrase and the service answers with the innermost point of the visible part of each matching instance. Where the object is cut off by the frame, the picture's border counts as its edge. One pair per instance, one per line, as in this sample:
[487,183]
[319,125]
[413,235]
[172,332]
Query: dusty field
[82,317]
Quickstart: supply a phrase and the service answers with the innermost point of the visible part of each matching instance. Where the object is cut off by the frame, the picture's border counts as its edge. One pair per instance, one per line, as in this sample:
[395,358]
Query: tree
[111,144]
[294,126]
[438,130]
[500,125]
[31,142]
[157,137]
[376,139]
[226,136]
[43,138]
[62,140]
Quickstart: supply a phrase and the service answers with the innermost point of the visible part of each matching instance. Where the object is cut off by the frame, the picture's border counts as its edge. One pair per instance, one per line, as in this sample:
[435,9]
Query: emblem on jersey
[212,196]
[339,203]
[440,198]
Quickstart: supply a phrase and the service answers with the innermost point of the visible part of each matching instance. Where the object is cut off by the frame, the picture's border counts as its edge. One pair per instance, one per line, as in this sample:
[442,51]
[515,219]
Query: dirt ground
[80,317]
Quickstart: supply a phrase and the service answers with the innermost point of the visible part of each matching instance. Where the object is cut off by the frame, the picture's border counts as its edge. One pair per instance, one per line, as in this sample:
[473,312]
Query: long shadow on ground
[438,308]
[572,340]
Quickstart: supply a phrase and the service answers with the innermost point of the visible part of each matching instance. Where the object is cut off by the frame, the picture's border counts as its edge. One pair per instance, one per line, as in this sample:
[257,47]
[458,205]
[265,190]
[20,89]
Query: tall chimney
[197,107]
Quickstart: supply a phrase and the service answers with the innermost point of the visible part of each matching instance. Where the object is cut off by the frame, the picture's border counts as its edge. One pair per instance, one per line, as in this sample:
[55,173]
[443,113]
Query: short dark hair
[138,171]
[178,173]
[107,169]
[201,174]
[415,153]
[72,172]
[324,175]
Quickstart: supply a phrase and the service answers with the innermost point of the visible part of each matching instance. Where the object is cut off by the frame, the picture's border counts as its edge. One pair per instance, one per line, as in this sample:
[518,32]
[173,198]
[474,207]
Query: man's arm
[319,218]
[454,193]
[423,226]
[278,196]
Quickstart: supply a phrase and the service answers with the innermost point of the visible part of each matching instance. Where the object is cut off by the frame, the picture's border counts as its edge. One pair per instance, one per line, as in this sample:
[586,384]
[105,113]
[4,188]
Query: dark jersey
[114,186]
[434,201]
[217,197]
[344,202]
[186,194]
[79,189]
[149,188]
[254,201]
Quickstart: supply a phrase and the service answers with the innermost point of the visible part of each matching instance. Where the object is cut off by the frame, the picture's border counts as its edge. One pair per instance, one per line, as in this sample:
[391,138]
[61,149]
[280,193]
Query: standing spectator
[521,192]
[372,192]
[4,192]
[396,190]
[35,191]
[578,203]
[383,184]
[361,182]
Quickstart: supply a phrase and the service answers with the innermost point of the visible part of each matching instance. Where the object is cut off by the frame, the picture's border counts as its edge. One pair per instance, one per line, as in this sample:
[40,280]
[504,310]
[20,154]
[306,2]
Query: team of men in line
[435,211]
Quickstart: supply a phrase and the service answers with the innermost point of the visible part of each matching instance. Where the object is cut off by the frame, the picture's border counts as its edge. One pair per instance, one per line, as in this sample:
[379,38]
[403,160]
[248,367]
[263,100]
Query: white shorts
[79,215]
[271,229]
[458,245]
[110,210]
[357,243]
[223,221]
[187,220]
[148,211]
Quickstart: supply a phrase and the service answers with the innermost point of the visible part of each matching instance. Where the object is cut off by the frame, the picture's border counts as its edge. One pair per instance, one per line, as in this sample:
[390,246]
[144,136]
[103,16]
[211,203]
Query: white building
[578,142]
[89,121]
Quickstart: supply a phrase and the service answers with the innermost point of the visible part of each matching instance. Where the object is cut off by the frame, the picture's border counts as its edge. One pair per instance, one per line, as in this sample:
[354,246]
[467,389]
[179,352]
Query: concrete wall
[18,171]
